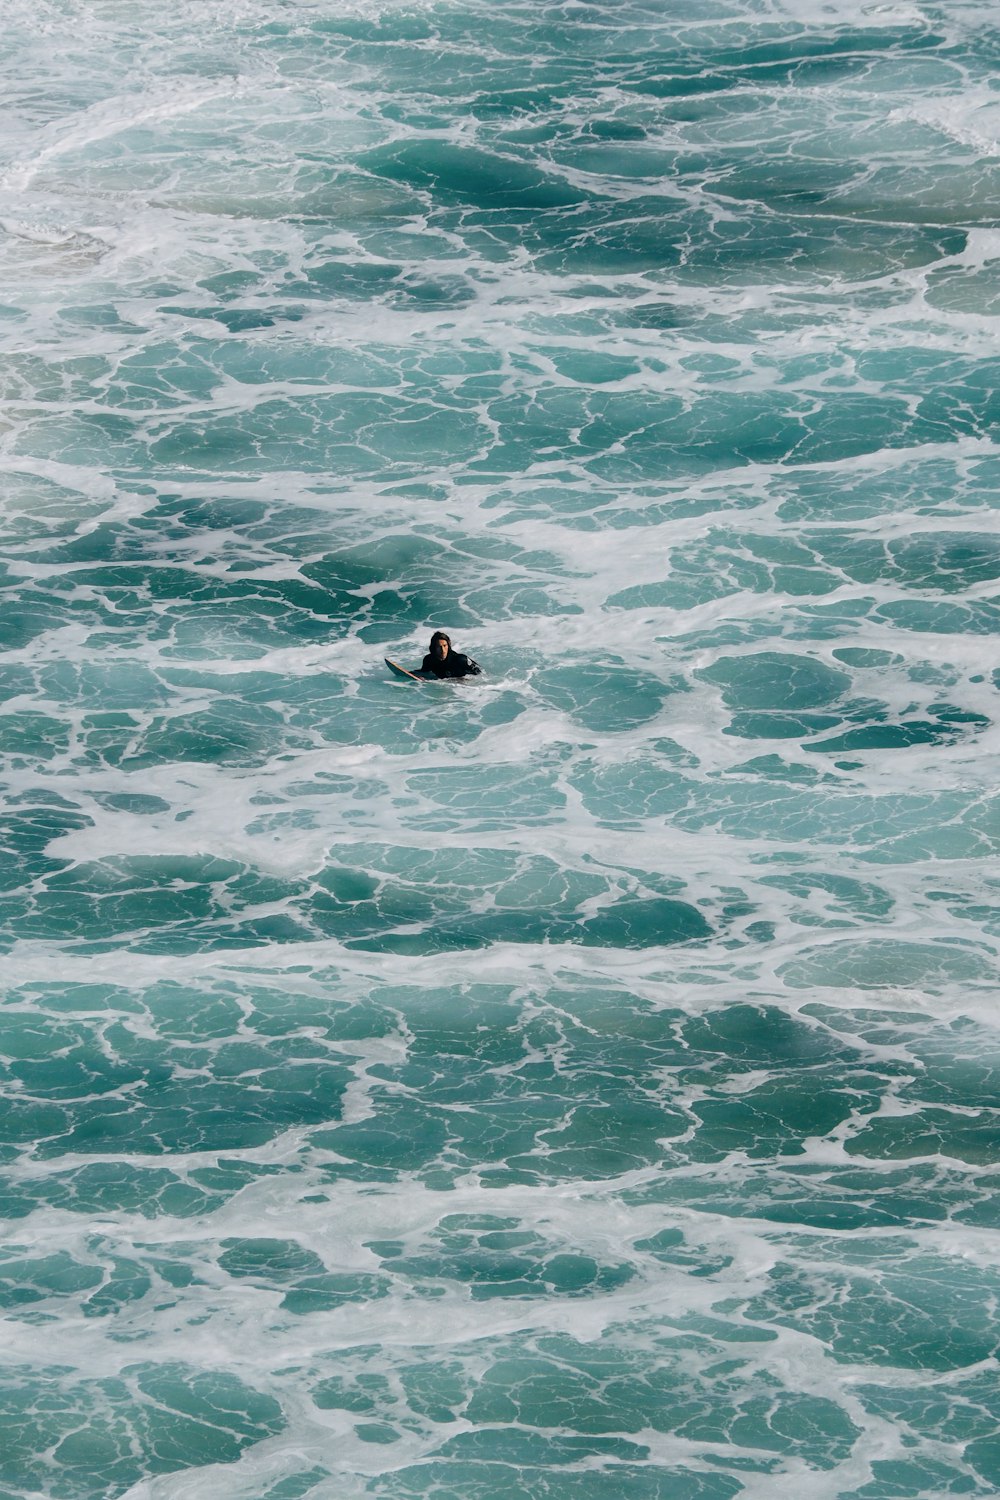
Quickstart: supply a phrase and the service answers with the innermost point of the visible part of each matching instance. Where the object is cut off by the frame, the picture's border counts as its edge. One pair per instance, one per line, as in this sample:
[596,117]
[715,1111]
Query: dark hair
[439,635]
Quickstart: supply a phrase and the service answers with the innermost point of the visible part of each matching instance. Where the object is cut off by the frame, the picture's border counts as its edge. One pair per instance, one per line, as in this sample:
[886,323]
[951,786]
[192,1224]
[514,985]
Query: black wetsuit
[455,664]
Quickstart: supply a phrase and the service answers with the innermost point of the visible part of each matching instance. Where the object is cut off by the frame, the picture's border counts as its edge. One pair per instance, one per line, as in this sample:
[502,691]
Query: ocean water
[582,1082]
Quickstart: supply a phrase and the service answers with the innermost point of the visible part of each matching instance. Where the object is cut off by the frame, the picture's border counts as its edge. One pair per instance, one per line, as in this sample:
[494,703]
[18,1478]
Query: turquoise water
[583,1082]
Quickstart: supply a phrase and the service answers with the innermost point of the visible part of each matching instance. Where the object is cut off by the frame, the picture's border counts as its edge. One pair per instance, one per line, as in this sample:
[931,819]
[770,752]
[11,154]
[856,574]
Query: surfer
[442,661]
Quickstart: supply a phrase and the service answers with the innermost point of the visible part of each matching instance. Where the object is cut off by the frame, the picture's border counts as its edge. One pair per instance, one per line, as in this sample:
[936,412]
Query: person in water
[442,661]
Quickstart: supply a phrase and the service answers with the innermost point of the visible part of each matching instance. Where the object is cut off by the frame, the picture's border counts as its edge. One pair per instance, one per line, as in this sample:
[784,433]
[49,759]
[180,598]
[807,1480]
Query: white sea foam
[603,1046]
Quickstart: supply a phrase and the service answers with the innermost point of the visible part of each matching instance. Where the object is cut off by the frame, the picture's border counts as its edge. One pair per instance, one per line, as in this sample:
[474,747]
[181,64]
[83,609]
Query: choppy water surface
[580,1083]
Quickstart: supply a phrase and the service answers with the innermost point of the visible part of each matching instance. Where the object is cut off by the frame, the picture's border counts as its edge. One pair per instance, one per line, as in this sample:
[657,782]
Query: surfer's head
[440,644]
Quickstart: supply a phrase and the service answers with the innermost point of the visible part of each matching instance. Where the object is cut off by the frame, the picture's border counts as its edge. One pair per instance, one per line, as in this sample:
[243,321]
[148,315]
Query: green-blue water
[581,1082]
